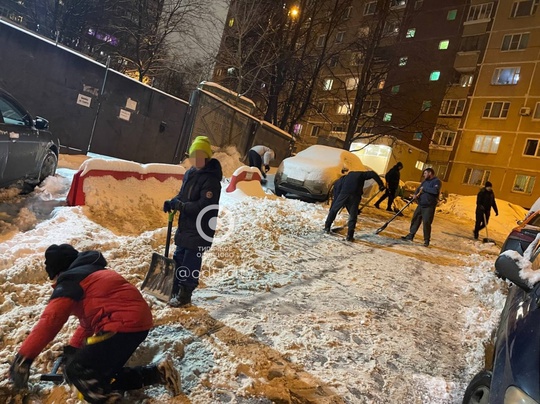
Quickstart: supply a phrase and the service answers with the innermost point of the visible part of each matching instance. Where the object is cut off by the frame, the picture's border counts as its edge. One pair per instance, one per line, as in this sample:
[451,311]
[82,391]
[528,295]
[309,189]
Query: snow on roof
[204,84]
[276,129]
[129,166]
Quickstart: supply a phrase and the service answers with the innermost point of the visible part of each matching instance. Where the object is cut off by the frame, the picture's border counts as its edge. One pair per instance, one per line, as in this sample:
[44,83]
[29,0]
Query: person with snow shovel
[392,183]
[198,206]
[260,156]
[113,318]
[485,200]
[348,192]
[427,195]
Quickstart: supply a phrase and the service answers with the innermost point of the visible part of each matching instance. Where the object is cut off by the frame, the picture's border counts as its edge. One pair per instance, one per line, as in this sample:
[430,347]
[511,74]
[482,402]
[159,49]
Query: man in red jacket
[113,318]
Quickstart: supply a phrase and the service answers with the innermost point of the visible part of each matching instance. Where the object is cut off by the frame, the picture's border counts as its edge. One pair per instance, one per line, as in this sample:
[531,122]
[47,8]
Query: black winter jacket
[392,178]
[353,182]
[200,194]
[485,200]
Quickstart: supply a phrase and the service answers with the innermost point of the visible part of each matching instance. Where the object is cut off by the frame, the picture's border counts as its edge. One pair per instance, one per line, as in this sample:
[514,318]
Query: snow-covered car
[312,172]
[512,361]
[521,236]
[27,149]
[408,189]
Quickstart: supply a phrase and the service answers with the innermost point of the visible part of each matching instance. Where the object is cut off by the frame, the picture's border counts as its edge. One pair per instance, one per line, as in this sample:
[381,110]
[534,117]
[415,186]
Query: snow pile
[283,313]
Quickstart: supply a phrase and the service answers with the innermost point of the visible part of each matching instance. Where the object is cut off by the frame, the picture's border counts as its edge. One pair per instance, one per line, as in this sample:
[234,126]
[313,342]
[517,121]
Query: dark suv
[28,151]
[511,371]
[521,236]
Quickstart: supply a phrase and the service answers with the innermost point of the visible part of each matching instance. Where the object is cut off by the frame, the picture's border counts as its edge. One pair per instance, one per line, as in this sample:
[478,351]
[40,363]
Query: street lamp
[294,11]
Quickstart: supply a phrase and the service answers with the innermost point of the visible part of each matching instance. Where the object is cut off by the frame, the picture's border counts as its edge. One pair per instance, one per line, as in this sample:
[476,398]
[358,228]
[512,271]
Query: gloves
[382,188]
[266,168]
[19,371]
[496,213]
[173,204]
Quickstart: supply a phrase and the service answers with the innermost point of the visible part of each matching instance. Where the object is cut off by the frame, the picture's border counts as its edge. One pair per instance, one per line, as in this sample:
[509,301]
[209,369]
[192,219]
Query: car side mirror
[508,267]
[41,123]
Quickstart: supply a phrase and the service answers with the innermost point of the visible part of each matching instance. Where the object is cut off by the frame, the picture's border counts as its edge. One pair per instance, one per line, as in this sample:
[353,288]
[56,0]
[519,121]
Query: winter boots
[183,298]
[408,237]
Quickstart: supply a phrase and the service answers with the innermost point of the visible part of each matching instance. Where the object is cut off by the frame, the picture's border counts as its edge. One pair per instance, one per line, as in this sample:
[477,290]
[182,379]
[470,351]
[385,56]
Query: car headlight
[513,395]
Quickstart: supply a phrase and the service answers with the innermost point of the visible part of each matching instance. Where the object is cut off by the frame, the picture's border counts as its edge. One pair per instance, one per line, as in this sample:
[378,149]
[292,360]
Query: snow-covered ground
[283,312]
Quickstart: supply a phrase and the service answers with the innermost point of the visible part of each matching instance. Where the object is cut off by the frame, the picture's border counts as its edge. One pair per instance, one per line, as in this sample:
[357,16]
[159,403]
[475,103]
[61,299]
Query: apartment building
[499,135]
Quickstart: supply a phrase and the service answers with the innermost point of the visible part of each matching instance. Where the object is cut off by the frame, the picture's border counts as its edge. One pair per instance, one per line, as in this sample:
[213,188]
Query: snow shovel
[487,239]
[159,278]
[54,376]
[384,226]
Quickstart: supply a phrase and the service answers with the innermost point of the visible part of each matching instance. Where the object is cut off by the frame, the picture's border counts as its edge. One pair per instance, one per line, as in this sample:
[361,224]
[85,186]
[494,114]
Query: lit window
[465,80]
[363,32]
[351,83]
[486,144]
[505,76]
[480,12]
[435,75]
[420,165]
[387,117]
[443,45]
[417,136]
[231,22]
[443,139]
[426,105]
[524,183]
[343,109]
[451,16]
[524,8]
[328,83]
[536,114]
[411,32]
[513,42]
[381,84]
[532,148]
[476,177]
[395,89]
[452,107]
[370,8]
[230,71]
[403,60]
[496,109]
[398,3]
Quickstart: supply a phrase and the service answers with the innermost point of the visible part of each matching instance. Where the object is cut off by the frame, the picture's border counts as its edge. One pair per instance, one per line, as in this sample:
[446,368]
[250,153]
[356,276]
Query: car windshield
[535,221]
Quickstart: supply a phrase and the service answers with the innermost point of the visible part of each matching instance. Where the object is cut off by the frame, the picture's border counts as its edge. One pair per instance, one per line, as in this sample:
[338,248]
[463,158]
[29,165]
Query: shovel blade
[159,278]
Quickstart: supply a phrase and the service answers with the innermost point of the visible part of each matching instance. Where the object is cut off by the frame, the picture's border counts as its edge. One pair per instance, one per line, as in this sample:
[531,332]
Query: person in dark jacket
[113,318]
[348,192]
[485,200]
[198,205]
[427,195]
[392,183]
[260,156]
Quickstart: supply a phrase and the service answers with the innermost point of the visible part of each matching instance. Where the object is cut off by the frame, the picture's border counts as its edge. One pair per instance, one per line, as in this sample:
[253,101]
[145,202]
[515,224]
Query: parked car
[408,189]
[521,236]
[512,365]
[312,172]
[28,150]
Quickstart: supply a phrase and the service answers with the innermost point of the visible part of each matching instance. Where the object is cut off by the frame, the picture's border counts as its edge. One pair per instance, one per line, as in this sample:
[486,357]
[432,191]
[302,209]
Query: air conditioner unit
[524,111]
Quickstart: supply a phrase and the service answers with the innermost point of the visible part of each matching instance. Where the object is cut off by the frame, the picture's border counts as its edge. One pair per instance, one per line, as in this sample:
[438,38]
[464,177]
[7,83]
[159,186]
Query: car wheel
[48,167]
[478,389]
[279,192]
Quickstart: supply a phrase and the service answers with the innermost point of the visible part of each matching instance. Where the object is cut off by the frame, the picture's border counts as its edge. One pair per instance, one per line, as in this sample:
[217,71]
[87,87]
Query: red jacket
[101,299]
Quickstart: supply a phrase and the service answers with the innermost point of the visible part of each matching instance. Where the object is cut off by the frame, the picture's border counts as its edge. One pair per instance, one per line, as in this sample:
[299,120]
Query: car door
[22,141]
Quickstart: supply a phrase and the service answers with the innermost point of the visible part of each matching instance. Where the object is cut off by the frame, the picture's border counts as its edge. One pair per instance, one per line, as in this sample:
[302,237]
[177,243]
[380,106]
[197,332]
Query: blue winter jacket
[431,188]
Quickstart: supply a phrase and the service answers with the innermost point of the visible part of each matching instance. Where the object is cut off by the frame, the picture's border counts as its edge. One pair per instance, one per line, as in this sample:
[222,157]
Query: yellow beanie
[201,143]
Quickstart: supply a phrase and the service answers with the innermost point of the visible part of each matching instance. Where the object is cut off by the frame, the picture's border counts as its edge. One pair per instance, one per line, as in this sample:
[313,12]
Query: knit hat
[201,143]
[58,258]
[488,184]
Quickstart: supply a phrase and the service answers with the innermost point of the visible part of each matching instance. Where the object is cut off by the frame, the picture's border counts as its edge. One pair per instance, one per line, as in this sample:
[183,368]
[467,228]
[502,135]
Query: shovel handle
[169,232]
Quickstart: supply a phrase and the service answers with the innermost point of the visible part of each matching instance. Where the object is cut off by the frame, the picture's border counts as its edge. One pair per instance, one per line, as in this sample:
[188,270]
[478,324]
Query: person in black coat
[198,205]
[485,200]
[392,183]
[348,192]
